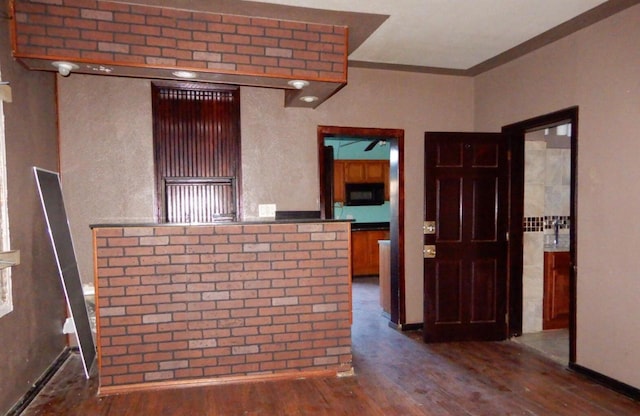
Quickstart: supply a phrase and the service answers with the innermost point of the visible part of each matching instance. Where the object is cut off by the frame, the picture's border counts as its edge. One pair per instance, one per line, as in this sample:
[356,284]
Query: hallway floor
[396,374]
[553,343]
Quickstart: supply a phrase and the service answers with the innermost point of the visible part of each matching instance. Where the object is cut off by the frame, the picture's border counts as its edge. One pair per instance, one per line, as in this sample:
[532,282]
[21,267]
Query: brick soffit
[316,52]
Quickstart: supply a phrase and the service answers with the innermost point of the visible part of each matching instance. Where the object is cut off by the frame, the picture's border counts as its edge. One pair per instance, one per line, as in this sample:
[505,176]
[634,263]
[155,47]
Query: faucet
[556,228]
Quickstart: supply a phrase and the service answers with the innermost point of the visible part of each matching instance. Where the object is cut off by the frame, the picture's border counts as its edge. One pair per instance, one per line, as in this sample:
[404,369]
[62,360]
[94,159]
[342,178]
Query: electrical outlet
[267,210]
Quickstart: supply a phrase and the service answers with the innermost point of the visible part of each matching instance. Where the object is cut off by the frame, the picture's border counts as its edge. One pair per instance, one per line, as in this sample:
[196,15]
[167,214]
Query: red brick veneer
[180,303]
[114,33]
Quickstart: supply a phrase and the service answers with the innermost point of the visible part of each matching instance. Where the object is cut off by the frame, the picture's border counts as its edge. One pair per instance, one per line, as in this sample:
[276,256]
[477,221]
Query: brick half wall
[180,304]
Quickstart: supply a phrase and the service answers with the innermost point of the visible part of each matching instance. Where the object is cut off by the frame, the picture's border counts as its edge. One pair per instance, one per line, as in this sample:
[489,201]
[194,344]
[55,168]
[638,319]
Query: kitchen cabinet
[365,252]
[555,298]
[359,171]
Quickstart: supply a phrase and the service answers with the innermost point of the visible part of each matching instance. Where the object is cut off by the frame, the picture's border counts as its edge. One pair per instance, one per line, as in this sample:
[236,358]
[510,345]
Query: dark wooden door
[466,195]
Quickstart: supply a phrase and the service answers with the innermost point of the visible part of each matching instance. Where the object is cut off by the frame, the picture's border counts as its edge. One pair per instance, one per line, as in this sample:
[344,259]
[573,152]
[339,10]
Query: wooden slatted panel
[197,136]
[199,200]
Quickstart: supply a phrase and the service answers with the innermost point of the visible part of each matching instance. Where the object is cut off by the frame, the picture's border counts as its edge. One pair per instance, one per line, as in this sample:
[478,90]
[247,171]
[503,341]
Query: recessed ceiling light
[309,98]
[298,83]
[64,67]
[185,74]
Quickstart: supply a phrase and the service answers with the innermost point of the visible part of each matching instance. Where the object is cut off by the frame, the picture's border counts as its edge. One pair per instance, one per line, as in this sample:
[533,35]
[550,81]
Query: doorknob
[429,251]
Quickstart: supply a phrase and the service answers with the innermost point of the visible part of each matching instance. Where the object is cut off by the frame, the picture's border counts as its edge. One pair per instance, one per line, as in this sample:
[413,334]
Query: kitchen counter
[367,226]
[223,223]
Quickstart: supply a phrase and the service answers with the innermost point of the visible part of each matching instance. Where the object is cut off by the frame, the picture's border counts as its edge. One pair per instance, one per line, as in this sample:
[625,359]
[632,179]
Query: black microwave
[364,193]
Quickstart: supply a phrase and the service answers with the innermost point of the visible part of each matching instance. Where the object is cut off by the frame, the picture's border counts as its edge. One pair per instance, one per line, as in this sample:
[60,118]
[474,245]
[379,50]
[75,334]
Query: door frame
[395,138]
[516,133]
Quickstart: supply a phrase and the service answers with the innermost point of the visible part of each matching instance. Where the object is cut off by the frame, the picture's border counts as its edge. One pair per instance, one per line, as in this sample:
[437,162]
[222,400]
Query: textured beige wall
[107,158]
[31,335]
[597,69]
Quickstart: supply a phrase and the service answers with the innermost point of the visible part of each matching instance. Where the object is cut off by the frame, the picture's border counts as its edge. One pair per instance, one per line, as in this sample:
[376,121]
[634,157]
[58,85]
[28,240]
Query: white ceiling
[452,34]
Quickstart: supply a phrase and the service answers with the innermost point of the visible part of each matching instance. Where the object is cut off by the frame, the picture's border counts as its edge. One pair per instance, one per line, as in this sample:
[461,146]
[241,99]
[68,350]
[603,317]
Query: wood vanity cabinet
[359,171]
[555,303]
[365,252]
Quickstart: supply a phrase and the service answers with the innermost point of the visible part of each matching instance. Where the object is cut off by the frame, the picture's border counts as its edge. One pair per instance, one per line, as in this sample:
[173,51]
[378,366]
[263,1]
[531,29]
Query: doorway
[394,138]
[559,229]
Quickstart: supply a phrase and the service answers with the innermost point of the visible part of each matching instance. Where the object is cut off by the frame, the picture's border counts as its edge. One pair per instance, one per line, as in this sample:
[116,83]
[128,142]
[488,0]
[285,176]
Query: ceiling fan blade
[349,143]
[371,145]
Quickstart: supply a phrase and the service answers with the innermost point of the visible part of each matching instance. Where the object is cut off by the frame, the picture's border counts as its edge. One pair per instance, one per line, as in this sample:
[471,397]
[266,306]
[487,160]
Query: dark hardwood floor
[396,374]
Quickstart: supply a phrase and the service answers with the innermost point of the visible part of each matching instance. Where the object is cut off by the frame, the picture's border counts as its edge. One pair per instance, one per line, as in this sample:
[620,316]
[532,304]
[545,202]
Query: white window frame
[6,296]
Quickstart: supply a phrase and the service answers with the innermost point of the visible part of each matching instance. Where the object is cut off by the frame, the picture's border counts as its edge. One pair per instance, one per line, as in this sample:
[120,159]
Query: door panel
[449,292]
[484,210]
[449,201]
[466,194]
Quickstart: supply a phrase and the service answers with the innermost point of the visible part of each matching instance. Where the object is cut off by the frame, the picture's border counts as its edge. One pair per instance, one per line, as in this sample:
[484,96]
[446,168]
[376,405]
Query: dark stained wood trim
[610,383]
[516,134]
[516,231]
[408,68]
[396,224]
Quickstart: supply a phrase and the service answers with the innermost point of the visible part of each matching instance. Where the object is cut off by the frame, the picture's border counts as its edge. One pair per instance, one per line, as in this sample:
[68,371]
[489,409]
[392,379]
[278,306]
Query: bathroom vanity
[555,303]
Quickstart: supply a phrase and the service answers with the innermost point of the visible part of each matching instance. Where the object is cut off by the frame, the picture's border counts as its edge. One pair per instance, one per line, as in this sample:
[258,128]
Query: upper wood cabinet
[359,171]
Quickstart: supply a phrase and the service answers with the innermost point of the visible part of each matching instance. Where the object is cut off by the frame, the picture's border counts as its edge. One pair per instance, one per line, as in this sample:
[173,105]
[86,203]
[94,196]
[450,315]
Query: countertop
[551,248]
[369,226]
[221,223]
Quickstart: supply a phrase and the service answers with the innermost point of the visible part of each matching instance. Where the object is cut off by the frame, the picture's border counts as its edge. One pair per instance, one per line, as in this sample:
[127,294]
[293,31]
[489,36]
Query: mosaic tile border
[539,224]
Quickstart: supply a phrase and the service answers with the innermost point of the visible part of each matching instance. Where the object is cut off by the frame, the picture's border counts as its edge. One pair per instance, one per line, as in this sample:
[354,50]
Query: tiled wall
[545,224]
[180,303]
[547,193]
[118,33]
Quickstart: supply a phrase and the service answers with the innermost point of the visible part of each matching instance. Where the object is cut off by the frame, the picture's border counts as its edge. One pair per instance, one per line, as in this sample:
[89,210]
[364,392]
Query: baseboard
[405,327]
[40,383]
[411,327]
[606,381]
